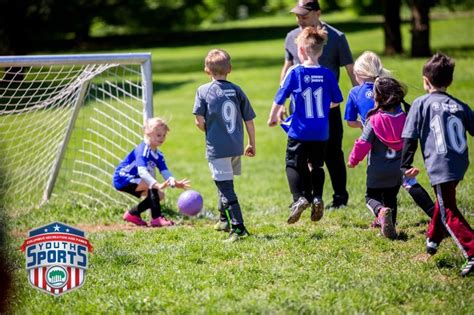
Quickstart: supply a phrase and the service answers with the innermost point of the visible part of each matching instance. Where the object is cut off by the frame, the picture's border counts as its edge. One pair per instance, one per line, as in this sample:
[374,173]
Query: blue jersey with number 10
[312,89]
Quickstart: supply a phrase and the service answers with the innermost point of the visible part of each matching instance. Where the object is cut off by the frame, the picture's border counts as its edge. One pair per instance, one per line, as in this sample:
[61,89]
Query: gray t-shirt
[440,122]
[383,169]
[224,106]
[336,52]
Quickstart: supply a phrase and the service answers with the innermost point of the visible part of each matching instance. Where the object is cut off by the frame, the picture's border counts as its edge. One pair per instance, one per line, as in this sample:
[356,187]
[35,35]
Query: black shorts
[299,153]
[131,189]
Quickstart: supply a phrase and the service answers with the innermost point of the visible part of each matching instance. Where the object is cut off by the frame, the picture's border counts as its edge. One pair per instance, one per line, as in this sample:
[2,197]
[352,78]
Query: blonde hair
[152,124]
[368,67]
[217,62]
[312,39]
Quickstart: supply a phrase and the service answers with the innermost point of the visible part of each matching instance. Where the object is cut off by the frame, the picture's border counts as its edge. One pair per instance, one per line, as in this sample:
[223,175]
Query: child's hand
[282,113]
[272,121]
[182,184]
[162,185]
[349,165]
[412,172]
[250,151]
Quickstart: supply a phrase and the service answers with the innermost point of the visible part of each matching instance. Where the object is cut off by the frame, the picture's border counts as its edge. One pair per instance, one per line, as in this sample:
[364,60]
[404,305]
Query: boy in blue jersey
[136,175]
[440,122]
[314,90]
[221,108]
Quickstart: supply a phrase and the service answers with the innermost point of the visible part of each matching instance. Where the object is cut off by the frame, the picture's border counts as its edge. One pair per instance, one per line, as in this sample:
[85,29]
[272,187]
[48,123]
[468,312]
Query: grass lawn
[338,265]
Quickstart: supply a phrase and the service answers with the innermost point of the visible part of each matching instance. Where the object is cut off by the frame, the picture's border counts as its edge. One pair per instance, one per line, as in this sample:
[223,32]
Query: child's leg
[419,195]
[316,158]
[373,200]
[221,207]
[390,200]
[230,202]
[297,171]
[446,213]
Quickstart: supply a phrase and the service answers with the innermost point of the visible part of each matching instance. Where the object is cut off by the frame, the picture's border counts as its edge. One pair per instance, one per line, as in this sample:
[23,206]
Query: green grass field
[338,265]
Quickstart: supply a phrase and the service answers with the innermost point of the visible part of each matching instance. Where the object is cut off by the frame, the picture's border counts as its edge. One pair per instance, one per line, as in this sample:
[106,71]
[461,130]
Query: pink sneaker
[161,221]
[137,220]
[375,224]
[386,224]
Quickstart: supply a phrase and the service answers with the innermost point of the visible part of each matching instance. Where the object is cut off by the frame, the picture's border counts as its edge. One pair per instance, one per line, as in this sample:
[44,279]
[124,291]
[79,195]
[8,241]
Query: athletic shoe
[431,247]
[297,208]
[135,219]
[468,267]
[236,235]
[375,224]
[161,221]
[317,209]
[386,225]
[338,202]
[222,226]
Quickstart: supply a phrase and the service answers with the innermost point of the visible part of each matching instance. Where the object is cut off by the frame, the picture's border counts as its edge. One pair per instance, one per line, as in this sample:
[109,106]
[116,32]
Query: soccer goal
[66,121]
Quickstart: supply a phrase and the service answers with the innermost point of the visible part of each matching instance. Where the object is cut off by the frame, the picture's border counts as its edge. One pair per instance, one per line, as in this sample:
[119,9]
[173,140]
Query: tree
[420,27]
[392,23]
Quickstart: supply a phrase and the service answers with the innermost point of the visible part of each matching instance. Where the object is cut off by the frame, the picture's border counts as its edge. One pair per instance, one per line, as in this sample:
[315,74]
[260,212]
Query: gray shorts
[225,168]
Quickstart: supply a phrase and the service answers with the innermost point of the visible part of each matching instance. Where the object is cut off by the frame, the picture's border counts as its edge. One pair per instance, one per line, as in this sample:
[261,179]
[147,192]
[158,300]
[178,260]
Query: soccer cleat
[297,208]
[135,219]
[160,222]
[375,224]
[386,225]
[431,247]
[222,226]
[236,235]
[468,267]
[317,209]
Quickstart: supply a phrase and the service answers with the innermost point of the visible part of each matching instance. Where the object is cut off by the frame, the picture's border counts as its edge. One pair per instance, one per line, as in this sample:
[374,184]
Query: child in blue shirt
[314,91]
[135,175]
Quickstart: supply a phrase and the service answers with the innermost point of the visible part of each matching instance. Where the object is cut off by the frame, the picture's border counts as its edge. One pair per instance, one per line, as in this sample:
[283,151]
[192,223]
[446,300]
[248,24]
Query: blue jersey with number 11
[312,89]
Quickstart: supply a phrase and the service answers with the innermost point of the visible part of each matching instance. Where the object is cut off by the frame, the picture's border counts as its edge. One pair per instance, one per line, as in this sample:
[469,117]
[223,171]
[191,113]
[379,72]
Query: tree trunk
[391,27]
[420,28]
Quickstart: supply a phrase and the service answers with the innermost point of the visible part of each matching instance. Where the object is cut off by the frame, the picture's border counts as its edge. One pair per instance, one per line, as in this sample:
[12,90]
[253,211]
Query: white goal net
[66,122]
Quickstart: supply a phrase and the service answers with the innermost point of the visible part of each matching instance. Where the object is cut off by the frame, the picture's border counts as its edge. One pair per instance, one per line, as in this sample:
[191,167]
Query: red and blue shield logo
[56,258]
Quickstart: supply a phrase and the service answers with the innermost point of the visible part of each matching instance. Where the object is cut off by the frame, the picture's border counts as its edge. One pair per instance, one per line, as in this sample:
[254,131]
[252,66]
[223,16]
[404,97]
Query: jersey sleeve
[288,55]
[199,105]
[246,108]
[336,94]
[411,129]
[470,121]
[345,55]
[351,111]
[362,145]
[142,158]
[287,86]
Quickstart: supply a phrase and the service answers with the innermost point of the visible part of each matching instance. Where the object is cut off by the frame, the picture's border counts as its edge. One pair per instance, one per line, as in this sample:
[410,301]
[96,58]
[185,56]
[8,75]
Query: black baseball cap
[304,7]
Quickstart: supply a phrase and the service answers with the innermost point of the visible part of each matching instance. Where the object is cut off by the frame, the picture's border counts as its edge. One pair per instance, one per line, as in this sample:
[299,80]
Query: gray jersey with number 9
[224,107]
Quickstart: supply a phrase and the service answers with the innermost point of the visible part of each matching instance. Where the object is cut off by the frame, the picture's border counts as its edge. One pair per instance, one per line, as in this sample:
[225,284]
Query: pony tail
[372,111]
[406,106]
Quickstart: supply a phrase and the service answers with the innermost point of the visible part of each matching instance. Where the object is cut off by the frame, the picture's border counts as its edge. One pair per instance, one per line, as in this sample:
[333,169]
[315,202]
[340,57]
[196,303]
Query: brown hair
[439,70]
[388,94]
[312,39]
[217,62]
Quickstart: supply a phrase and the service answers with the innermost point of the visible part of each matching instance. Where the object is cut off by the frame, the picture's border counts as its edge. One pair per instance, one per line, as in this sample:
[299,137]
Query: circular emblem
[307,79]
[219,93]
[56,277]
[436,106]
[369,94]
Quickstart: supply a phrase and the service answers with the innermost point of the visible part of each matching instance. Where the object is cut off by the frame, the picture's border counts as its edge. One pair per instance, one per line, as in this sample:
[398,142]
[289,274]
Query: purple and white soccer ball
[190,203]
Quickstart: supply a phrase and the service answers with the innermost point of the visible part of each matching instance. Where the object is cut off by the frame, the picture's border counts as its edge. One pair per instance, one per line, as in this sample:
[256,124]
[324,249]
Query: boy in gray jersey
[440,122]
[220,108]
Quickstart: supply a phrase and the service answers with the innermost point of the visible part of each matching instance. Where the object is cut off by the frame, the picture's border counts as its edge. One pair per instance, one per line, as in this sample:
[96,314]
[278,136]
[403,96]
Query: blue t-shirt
[312,89]
[359,102]
[141,157]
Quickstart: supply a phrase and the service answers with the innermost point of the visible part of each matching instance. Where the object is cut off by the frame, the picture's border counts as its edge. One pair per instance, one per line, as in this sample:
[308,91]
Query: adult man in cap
[336,54]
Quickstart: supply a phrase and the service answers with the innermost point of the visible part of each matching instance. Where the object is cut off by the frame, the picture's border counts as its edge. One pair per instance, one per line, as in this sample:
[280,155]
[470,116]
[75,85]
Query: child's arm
[200,122]
[408,154]
[354,124]
[333,105]
[273,118]
[250,150]
[362,146]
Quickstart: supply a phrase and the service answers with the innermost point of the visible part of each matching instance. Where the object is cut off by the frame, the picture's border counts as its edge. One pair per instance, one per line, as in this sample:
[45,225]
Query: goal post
[66,121]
